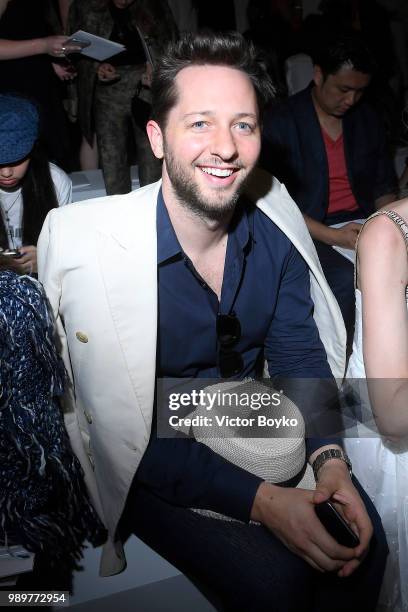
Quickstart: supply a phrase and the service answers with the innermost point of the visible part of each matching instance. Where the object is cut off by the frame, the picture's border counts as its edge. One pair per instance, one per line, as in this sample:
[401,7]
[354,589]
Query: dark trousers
[245,567]
[113,125]
[339,273]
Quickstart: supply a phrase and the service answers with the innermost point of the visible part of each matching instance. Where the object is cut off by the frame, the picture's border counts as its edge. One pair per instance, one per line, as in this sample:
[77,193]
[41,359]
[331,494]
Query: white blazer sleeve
[47,260]
[49,274]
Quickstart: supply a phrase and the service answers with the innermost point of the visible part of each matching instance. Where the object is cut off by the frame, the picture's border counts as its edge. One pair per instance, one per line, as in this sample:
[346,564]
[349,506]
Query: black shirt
[124,33]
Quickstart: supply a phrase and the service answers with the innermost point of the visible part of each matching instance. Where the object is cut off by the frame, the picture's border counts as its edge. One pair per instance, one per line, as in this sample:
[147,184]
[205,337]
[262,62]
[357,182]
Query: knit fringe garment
[44,504]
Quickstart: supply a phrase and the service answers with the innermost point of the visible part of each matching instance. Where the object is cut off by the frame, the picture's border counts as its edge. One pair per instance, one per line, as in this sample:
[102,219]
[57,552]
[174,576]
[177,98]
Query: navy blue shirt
[266,284]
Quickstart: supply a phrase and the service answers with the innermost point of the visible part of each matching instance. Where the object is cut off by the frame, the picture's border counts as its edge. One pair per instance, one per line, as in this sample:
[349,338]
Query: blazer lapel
[128,262]
[309,130]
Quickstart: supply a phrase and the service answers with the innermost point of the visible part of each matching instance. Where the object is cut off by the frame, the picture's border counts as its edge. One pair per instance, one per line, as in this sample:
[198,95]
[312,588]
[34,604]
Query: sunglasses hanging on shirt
[230,362]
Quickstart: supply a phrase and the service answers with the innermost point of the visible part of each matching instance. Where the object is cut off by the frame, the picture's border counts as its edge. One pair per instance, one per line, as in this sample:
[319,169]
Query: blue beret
[19,121]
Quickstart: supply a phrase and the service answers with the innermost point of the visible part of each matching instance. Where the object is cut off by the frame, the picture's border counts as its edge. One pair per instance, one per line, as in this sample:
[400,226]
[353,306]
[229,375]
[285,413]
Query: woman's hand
[25,264]
[106,72]
[28,259]
[57,46]
[64,72]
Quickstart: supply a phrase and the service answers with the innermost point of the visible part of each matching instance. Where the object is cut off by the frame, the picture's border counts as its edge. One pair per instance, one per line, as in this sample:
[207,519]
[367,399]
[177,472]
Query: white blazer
[98,263]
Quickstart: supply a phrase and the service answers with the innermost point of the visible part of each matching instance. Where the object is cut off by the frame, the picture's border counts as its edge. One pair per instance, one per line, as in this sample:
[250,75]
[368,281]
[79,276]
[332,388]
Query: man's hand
[106,73]
[334,482]
[346,236]
[290,515]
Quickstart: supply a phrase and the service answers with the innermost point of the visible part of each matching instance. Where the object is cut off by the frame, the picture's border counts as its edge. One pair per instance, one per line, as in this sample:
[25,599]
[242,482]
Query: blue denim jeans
[245,567]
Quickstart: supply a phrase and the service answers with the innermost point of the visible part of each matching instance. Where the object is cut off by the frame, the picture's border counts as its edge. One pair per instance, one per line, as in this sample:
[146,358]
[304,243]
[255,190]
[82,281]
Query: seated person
[188,278]
[29,185]
[329,149]
[380,352]
[44,506]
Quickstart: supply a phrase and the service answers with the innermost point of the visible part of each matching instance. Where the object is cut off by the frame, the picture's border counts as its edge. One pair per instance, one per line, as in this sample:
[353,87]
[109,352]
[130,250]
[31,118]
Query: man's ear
[156,138]
[318,77]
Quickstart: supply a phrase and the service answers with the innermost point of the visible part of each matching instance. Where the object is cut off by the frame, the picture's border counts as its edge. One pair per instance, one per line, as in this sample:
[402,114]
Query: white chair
[298,72]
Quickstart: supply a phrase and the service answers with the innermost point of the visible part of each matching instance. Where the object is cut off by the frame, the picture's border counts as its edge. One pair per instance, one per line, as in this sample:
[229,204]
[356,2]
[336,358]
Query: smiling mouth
[218,172]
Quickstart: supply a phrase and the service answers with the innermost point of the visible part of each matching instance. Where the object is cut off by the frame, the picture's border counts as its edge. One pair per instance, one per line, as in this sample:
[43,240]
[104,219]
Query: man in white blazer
[134,280]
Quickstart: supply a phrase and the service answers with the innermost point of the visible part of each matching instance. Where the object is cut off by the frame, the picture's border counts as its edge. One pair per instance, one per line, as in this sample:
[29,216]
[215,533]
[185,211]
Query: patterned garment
[43,501]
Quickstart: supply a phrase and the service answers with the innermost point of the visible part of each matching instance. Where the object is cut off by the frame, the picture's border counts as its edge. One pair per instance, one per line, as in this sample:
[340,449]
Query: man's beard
[188,193]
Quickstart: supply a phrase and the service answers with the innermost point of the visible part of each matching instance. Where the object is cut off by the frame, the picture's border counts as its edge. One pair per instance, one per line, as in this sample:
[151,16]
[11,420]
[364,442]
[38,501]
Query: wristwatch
[326,455]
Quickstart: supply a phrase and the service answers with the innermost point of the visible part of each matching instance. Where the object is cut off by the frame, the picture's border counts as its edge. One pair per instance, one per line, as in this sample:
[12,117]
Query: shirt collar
[239,228]
[168,245]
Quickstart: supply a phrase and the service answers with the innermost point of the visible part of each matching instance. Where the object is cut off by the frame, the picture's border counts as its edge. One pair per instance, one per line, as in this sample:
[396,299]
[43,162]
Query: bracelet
[326,455]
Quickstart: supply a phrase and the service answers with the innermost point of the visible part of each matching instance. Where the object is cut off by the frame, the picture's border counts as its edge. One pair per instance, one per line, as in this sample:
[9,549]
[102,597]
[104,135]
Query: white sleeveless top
[382,469]
[356,367]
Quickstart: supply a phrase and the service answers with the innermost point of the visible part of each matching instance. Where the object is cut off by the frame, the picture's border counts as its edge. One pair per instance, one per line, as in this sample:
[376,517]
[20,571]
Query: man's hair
[345,50]
[202,49]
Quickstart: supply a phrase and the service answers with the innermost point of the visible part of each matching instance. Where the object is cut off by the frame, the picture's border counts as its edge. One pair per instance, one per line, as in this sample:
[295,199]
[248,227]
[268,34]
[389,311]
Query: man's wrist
[333,457]
[332,466]
[319,231]
[265,491]
[325,234]
[330,236]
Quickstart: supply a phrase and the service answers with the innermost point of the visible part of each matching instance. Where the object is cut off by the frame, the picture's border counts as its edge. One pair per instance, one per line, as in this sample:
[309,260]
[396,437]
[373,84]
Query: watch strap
[326,455]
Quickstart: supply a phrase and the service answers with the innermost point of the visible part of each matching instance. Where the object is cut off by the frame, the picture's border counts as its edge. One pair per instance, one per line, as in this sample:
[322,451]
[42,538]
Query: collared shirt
[266,284]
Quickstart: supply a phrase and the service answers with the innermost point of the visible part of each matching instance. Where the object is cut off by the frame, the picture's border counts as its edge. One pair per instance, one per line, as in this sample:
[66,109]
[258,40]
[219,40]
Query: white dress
[382,469]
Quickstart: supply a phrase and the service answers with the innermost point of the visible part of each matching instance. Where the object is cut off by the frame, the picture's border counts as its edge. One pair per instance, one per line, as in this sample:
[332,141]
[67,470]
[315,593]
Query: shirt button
[88,417]
[81,337]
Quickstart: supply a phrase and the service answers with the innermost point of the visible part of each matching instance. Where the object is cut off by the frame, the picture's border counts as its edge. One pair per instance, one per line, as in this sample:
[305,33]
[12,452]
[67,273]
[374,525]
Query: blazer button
[88,417]
[82,337]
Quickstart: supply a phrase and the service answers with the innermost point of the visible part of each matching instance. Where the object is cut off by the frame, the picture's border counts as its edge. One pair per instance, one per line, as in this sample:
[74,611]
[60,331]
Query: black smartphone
[14,253]
[335,524]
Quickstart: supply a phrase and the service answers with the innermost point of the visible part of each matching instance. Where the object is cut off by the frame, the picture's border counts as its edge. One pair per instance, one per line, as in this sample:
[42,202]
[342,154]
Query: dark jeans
[245,567]
[113,124]
[339,273]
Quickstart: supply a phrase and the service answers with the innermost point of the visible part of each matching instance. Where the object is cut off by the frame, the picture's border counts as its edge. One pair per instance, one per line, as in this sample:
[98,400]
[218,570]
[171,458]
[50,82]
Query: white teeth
[218,171]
